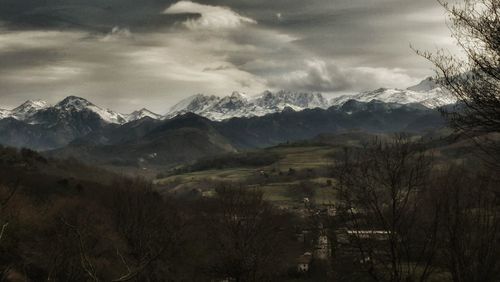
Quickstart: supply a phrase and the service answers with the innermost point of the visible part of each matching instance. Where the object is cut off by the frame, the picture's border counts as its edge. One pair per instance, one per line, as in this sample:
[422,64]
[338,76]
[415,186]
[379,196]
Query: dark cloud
[94,15]
[18,59]
[132,53]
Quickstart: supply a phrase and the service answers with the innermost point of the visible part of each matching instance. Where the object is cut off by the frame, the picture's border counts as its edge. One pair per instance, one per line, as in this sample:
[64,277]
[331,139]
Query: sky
[129,54]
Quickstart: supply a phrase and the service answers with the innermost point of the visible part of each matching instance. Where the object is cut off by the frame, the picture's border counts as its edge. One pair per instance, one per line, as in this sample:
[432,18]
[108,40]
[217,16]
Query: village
[326,241]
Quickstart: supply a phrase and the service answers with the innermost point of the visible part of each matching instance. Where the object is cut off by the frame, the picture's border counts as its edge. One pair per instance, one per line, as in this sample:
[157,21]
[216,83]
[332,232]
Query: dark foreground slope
[63,221]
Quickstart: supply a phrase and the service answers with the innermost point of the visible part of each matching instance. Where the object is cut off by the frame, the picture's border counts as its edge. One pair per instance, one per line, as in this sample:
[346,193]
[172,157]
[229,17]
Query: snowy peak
[425,85]
[142,113]
[234,101]
[73,103]
[4,113]
[32,111]
[213,107]
[427,93]
[294,100]
[78,104]
[240,105]
[194,104]
[28,109]
[239,96]
[35,104]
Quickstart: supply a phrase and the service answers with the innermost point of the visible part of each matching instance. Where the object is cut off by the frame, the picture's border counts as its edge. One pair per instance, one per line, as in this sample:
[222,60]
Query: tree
[126,232]
[249,240]
[6,195]
[383,192]
[152,229]
[470,225]
[475,80]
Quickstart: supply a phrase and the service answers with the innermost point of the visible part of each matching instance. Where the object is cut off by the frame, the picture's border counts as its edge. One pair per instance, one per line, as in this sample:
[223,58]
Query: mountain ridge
[189,136]
[28,111]
[38,125]
[428,93]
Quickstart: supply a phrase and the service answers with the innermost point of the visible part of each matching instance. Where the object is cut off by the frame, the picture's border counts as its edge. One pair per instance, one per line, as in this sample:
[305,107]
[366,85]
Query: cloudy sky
[126,54]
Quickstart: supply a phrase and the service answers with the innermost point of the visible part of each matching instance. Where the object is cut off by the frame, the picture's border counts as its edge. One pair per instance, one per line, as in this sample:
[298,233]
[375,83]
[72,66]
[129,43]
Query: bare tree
[475,80]
[9,194]
[6,195]
[248,238]
[470,202]
[383,196]
[126,232]
[152,229]
[471,225]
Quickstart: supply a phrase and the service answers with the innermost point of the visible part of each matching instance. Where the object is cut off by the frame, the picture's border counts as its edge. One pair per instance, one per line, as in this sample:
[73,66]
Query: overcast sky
[126,54]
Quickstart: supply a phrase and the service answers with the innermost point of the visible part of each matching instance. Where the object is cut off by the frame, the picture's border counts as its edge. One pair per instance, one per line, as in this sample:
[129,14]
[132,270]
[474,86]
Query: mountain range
[35,111]
[164,143]
[240,105]
[427,93]
[207,125]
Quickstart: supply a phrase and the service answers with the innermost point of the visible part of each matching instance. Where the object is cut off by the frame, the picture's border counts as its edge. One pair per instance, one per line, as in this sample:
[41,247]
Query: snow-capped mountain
[140,114]
[77,104]
[4,113]
[235,105]
[241,105]
[195,103]
[297,101]
[427,93]
[425,85]
[35,111]
[27,109]
[35,124]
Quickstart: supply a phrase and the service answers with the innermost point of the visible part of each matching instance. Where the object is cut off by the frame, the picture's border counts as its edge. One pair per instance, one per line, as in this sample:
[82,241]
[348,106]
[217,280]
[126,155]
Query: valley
[210,167]
[250,141]
[291,172]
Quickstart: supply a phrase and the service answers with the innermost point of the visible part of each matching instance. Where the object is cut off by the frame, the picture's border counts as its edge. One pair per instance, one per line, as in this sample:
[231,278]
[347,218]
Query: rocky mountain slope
[188,137]
[37,125]
[178,140]
[240,105]
[34,111]
[40,126]
[427,93]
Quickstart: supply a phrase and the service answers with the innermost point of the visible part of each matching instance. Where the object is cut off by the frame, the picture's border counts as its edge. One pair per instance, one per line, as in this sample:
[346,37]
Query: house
[306,201]
[379,235]
[322,250]
[331,211]
[303,262]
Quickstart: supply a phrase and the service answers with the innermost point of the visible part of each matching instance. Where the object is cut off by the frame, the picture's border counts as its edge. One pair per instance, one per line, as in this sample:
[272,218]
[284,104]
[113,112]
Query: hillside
[146,143]
[38,176]
[149,143]
[288,173]
[40,126]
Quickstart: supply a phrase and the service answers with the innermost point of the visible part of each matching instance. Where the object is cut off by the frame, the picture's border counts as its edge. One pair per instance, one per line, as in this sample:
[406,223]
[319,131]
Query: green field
[279,181]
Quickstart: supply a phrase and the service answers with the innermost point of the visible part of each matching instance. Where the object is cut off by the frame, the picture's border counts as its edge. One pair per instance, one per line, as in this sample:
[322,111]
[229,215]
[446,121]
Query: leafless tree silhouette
[384,201]
[474,79]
